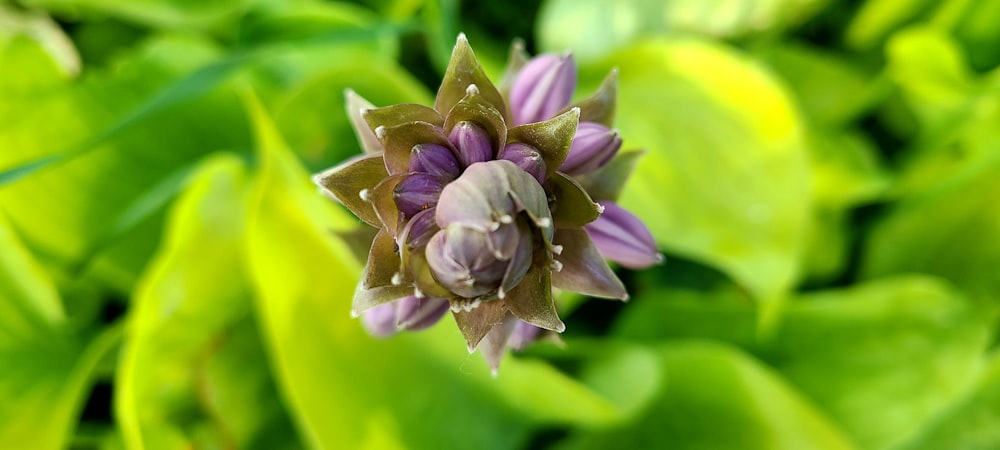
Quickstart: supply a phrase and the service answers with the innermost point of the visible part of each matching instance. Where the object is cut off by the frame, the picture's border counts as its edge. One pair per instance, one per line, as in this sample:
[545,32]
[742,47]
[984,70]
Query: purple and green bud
[417,192]
[526,157]
[436,160]
[485,202]
[593,147]
[622,237]
[416,313]
[543,87]
[472,142]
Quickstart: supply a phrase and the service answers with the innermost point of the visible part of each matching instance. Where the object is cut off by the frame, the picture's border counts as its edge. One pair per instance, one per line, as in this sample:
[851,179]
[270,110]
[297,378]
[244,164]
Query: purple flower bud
[472,142]
[623,238]
[527,158]
[417,192]
[461,260]
[524,333]
[434,159]
[380,321]
[593,146]
[419,230]
[543,88]
[416,313]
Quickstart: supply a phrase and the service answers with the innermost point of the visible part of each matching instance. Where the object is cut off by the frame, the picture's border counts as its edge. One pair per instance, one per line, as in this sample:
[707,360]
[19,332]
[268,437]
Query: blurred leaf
[717,397]
[877,18]
[957,110]
[971,423]
[612,25]
[845,174]
[178,385]
[46,32]
[385,392]
[881,358]
[963,244]
[726,178]
[681,314]
[830,88]
[45,370]
[64,210]
[167,14]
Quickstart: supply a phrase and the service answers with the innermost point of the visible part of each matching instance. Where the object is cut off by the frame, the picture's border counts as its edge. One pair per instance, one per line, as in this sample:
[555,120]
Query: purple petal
[434,159]
[415,313]
[543,88]
[472,142]
[528,158]
[621,237]
[417,192]
[380,321]
[524,333]
[593,146]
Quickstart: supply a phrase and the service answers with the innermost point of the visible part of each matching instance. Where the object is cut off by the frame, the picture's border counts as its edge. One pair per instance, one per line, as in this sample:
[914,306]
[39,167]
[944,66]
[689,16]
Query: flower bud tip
[557,266]
[557,249]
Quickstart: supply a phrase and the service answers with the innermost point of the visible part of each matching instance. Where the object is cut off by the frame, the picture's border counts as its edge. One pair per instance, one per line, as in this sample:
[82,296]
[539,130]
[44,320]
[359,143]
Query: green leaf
[304,279]
[157,13]
[190,324]
[69,208]
[971,423]
[877,18]
[882,358]
[957,110]
[963,245]
[613,26]
[45,369]
[726,177]
[831,89]
[714,396]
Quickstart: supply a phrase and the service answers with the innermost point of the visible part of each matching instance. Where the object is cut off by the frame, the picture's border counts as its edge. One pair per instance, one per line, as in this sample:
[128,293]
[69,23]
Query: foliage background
[823,177]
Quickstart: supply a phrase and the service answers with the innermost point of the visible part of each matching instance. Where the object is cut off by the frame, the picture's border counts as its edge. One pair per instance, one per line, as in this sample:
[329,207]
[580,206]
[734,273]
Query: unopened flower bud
[380,321]
[542,88]
[417,192]
[622,237]
[472,142]
[593,146]
[414,313]
[419,230]
[434,159]
[527,158]
[461,260]
[523,334]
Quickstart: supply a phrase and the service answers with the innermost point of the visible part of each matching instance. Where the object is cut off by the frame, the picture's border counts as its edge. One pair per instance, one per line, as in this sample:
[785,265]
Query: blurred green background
[823,177]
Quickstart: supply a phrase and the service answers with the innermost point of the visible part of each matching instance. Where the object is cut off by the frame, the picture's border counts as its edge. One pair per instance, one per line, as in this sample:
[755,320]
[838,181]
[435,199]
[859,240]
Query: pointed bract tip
[355,314]
[494,371]
[380,132]
[461,38]
[560,328]
[472,90]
